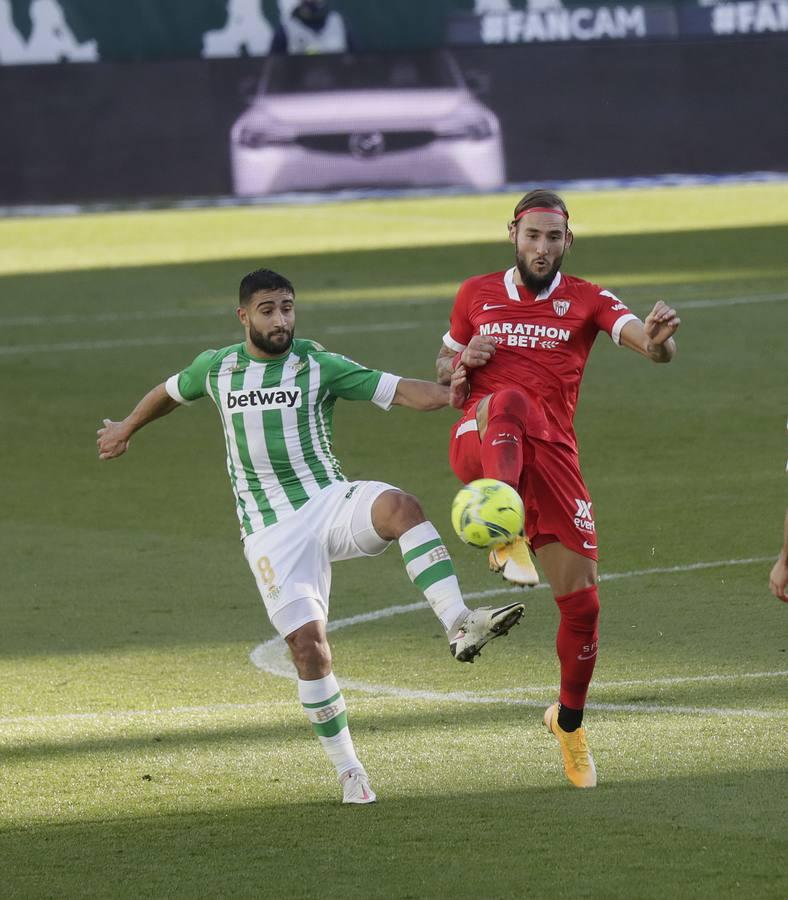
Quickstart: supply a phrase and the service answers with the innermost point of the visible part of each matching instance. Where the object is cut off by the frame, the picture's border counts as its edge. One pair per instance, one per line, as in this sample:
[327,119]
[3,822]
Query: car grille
[339,143]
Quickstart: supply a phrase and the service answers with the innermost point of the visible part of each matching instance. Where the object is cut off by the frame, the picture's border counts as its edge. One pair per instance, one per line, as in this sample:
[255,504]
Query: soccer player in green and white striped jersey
[275,395]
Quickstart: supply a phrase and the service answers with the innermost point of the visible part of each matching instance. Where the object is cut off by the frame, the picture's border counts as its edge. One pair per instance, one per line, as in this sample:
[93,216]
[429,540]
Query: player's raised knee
[395,512]
[310,650]
[509,402]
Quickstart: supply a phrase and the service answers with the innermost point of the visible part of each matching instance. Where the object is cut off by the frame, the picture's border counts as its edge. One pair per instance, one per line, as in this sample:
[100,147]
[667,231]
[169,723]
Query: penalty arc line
[271,657]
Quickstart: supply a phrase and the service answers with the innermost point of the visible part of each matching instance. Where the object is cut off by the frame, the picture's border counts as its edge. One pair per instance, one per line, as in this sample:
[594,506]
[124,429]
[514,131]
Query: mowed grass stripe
[174,236]
[312,304]
[361,328]
[218,709]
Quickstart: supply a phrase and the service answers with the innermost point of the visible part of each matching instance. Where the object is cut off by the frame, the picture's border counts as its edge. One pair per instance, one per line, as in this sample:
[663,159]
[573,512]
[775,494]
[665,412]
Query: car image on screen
[357,121]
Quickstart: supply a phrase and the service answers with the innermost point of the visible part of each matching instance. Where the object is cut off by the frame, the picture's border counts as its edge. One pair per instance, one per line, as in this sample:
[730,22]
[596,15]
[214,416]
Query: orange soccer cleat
[578,763]
[514,562]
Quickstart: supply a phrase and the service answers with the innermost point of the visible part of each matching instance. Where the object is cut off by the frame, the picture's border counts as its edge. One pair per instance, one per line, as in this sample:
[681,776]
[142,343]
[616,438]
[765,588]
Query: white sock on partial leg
[430,568]
[325,708]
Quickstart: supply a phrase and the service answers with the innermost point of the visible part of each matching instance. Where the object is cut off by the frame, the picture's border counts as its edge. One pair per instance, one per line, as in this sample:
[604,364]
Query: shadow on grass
[367,723]
[711,836]
[205,737]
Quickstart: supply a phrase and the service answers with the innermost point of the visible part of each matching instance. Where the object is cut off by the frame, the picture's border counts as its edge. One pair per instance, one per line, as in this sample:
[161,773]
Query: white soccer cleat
[355,787]
[514,562]
[481,626]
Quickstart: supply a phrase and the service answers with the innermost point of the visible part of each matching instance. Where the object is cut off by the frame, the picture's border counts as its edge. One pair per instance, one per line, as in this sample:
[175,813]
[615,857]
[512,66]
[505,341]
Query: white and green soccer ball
[486,513]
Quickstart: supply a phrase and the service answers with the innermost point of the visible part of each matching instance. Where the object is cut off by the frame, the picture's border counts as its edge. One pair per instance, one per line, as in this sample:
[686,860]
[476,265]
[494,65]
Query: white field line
[167,712]
[386,692]
[135,316]
[379,326]
[655,682]
[271,657]
[226,312]
[730,301]
[112,344]
[681,305]
[376,614]
[142,713]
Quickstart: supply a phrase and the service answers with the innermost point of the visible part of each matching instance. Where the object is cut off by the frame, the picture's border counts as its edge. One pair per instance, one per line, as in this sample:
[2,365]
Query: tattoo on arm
[443,365]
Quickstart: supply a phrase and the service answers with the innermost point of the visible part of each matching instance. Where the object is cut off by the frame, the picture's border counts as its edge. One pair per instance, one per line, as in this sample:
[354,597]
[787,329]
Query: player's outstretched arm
[778,577]
[654,337]
[426,395]
[113,438]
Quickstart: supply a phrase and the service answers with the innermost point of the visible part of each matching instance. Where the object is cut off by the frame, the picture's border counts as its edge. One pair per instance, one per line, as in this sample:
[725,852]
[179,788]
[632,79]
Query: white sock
[325,708]
[430,568]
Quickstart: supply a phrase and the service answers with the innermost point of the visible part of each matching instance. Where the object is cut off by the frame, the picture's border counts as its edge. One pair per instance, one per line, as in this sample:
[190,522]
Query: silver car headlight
[257,138]
[475,130]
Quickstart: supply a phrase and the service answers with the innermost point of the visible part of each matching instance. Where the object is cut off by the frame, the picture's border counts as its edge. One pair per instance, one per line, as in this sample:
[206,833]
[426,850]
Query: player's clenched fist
[778,579]
[112,440]
[480,350]
[661,323]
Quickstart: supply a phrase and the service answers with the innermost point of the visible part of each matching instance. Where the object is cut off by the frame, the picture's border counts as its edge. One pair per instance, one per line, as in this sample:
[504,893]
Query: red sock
[502,445]
[578,635]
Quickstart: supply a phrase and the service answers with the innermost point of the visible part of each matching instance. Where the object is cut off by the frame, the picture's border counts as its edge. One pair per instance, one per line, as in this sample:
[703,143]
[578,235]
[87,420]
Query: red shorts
[557,503]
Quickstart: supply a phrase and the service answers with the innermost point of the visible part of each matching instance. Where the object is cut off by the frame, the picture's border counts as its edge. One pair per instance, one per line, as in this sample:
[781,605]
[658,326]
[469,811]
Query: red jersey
[543,341]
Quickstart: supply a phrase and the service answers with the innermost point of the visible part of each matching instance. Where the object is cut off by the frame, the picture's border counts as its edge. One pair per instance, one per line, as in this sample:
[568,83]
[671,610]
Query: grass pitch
[142,754]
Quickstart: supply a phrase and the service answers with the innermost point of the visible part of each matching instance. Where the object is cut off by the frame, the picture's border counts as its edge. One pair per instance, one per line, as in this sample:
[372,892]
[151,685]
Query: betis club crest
[561,307]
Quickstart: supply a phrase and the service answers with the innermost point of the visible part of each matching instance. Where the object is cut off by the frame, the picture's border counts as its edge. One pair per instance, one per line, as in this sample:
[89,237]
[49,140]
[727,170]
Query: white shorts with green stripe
[291,561]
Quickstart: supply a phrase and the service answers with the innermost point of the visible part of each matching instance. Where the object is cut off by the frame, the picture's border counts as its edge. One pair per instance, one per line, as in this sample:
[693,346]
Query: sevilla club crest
[561,307]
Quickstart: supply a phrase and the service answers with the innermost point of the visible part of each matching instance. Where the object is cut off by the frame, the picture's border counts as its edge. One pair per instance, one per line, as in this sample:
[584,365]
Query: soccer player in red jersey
[521,338]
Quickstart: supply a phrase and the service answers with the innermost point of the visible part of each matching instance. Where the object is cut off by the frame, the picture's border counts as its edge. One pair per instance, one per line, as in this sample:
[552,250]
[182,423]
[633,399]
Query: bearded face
[274,342]
[539,274]
[540,240]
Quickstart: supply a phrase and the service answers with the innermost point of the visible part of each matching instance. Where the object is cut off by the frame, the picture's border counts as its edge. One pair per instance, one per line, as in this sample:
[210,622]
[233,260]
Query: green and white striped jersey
[277,416]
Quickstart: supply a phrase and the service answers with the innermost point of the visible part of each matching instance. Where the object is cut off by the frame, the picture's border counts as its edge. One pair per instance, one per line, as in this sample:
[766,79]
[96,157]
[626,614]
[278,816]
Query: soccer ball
[486,513]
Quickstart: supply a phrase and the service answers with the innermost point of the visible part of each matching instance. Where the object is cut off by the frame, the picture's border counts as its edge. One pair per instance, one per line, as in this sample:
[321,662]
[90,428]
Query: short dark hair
[263,280]
[540,197]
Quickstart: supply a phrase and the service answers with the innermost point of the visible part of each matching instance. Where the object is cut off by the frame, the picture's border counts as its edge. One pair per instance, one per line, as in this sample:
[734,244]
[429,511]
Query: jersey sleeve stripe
[384,392]
[171,386]
[449,341]
[621,321]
